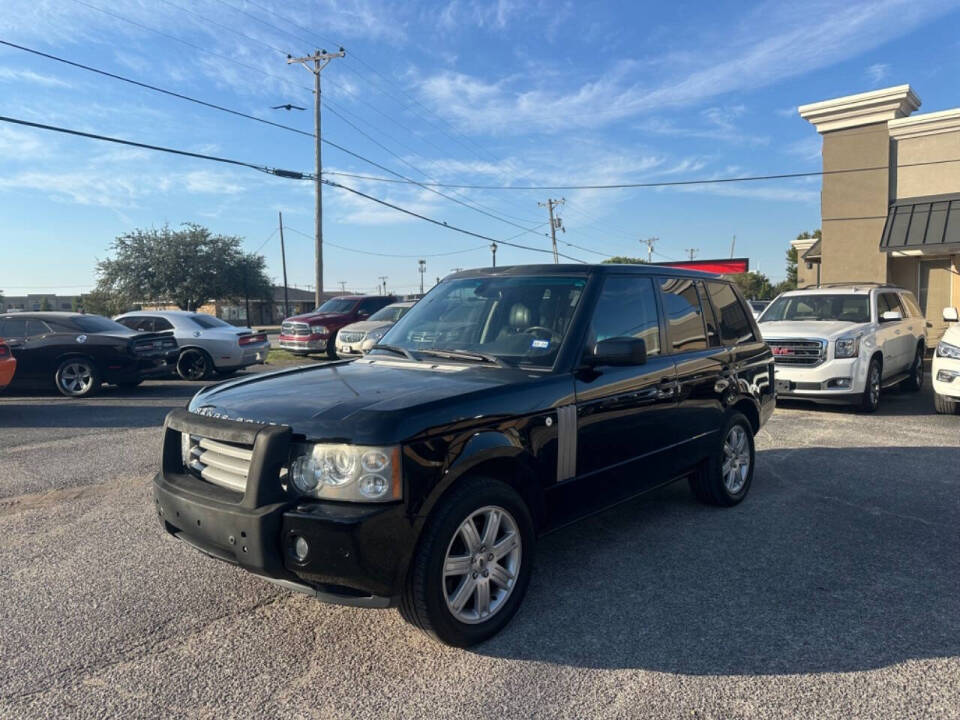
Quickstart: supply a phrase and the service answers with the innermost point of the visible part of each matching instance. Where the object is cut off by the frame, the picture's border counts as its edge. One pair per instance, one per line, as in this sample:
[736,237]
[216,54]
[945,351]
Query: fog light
[301,548]
[947,375]
[843,382]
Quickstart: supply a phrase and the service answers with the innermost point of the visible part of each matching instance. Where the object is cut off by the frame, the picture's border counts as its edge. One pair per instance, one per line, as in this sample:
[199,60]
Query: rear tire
[871,393]
[77,377]
[465,585]
[194,364]
[726,476]
[914,383]
[944,405]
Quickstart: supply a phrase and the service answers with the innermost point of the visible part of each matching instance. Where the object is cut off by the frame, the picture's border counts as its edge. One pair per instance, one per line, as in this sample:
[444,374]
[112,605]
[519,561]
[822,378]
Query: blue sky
[508,92]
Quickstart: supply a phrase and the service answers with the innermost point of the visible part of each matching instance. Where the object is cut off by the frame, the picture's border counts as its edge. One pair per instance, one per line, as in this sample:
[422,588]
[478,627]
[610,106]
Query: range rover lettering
[505,403]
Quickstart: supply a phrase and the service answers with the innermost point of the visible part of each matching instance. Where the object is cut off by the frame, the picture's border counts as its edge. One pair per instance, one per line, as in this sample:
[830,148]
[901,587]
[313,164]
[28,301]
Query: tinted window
[732,318]
[391,313]
[819,306]
[371,305]
[627,308]
[684,316]
[336,305]
[37,327]
[160,323]
[207,321]
[713,334]
[887,302]
[97,323]
[130,322]
[13,328]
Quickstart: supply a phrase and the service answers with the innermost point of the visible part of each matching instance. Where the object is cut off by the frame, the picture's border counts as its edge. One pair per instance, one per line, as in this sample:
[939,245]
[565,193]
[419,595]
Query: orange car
[8,364]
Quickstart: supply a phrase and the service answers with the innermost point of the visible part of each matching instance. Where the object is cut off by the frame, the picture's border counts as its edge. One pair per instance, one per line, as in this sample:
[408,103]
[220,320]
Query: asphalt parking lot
[832,592]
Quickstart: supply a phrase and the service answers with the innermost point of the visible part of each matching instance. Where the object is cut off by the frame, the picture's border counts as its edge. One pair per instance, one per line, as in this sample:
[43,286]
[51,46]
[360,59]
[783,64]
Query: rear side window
[36,328]
[731,316]
[684,314]
[13,328]
[627,308]
[160,323]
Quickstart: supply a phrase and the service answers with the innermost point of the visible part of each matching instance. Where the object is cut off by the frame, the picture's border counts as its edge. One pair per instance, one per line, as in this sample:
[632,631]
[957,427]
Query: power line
[275,231]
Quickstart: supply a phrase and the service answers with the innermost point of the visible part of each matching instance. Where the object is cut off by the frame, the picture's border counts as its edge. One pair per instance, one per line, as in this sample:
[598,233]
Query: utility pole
[493,252]
[383,283]
[555,223]
[283,258]
[320,60]
[733,244]
[343,286]
[423,269]
[651,241]
[692,252]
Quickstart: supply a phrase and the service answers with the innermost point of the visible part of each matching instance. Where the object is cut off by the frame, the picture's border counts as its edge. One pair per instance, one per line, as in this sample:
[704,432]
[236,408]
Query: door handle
[667,389]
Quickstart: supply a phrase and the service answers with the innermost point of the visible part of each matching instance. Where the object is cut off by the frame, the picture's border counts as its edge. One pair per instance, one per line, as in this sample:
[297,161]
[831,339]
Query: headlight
[375,335]
[318,329]
[347,472]
[847,347]
[946,350]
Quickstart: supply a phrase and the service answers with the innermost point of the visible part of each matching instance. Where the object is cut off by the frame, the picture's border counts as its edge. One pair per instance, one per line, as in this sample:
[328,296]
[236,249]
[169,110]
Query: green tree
[624,260]
[103,302]
[45,304]
[793,258]
[754,285]
[187,267]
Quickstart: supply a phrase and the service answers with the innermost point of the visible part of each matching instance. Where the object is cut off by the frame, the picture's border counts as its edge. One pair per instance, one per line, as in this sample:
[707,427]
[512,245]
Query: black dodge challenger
[78,353]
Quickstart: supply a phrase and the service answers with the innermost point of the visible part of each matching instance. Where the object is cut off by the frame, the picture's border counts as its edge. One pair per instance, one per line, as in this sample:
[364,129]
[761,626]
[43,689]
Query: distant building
[261,313]
[34,302]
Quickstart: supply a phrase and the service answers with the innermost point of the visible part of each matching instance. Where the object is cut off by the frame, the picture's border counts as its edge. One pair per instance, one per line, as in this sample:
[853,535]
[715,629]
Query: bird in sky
[288,106]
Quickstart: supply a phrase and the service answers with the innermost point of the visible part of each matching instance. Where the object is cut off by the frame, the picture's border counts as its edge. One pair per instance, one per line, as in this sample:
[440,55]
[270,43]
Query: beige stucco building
[890,203]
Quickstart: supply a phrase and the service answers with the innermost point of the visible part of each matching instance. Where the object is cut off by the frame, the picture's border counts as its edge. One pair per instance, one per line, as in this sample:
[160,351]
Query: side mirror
[891,316]
[950,314]
[618,351]
[363,314]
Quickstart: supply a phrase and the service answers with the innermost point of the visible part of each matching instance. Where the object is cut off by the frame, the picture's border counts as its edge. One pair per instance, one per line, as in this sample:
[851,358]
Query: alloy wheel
[192,365]
[76,377]
[482,564]
[875,385]
[736,459]
[918,369]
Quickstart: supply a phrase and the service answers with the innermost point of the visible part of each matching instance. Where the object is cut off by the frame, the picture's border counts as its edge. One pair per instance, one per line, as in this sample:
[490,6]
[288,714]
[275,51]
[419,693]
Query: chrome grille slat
[352,337]
[798,352]
[295,328]
[220,463]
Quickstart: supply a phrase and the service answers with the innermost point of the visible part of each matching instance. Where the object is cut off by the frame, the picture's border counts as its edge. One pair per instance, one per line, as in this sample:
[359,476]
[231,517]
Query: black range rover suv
[506,403]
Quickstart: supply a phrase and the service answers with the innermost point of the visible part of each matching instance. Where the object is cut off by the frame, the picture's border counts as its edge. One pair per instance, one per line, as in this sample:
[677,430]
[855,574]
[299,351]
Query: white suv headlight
[847,347]
[354,473]
[946,350]
[376,334]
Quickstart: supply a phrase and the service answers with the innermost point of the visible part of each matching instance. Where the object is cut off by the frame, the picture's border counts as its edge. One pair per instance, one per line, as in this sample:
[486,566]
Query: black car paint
[634,428]
[38,356]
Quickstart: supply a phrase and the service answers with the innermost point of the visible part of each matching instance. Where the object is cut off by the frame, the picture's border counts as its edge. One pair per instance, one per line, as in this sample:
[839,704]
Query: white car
[946,366]
[757,307]
[360,337]
[207,344]
[843,343]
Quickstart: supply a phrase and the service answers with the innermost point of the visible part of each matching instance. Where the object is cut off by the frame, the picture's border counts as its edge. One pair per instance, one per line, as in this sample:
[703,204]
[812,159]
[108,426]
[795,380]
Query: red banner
[730,266]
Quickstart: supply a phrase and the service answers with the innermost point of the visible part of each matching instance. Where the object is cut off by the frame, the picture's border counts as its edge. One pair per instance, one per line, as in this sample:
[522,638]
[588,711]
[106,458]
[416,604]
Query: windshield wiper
[396,349]
[467,355]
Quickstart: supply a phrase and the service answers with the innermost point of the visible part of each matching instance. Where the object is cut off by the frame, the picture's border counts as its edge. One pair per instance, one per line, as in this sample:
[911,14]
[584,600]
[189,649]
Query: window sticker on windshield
[542,344]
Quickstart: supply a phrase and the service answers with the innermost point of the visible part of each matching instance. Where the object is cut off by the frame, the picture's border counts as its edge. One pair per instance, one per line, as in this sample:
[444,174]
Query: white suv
[946,366]
[843,343]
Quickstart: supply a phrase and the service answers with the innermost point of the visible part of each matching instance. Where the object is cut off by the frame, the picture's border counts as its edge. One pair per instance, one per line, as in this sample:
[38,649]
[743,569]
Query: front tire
[944,405]
[914,383]
[194,364]
[472,566]
[871,393]
[727,475]
[77,377]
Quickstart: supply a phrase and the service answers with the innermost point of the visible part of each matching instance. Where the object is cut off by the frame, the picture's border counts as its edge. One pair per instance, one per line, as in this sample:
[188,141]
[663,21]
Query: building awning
[923,224]
[813,254]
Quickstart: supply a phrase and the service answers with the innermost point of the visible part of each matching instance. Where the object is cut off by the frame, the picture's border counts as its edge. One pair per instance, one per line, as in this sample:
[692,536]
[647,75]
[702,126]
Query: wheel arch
[749,409]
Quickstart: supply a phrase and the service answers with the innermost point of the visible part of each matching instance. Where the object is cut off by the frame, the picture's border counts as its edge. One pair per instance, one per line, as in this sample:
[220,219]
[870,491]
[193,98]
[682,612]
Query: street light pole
[423,269]
[493,252]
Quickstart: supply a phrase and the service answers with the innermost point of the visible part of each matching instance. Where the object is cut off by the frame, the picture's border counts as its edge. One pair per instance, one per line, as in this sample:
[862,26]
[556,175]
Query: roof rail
[851,284]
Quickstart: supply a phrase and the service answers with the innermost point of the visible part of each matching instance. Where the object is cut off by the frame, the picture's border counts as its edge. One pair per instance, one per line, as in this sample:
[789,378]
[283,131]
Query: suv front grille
[800,353]
[352,337]
[220,463]
[295,328]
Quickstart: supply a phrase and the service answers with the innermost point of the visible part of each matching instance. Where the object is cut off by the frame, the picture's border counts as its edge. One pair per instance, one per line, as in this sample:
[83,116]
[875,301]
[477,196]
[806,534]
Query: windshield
[208,321]
[391,313]
[519,320]
[844,308]
[98,323]
[336,305]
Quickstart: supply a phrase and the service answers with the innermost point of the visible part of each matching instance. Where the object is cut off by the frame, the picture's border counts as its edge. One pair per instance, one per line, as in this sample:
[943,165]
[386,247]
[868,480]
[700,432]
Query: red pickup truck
[316,331]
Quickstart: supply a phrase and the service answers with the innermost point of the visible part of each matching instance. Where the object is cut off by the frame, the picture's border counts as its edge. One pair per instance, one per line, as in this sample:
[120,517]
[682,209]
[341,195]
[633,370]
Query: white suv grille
[220,463]
[798,353]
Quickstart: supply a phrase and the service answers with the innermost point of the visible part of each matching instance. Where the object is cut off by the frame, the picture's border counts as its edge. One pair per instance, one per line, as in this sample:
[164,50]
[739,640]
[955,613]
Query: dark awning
[923,223]
[813,253]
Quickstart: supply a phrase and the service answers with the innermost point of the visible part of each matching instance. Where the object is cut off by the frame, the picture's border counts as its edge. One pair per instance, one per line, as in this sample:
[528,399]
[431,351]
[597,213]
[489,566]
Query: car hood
[308,317]
[952,335]
[366,326]
[379,402]
[828,329]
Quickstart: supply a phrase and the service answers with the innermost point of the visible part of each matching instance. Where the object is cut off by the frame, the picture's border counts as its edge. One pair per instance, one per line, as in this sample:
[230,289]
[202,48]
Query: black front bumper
[357,553]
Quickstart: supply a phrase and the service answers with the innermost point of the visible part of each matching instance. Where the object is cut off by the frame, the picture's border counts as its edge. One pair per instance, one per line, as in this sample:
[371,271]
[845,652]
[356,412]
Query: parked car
[77,353]
[946,366]
[505,403]
[316,331]
[757,307]
[8,364]
[360,337]
[844,343]
[207,343]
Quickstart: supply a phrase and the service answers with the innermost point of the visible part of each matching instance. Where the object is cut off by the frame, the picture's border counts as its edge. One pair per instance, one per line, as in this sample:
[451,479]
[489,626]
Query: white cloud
[772,43]
[877,73]
[28,76]
[720,125]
